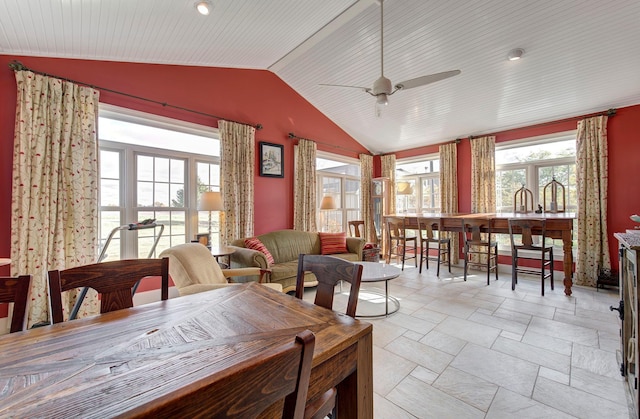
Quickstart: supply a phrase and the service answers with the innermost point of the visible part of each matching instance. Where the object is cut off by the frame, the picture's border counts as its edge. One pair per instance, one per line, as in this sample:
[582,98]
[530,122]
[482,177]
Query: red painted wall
[252,96]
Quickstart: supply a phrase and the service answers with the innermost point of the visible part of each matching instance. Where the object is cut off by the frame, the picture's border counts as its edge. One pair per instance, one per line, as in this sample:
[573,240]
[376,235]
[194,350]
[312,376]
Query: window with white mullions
[533,163]
[418,185]
[154,168]
[338,177]
[161,194]
[208,179]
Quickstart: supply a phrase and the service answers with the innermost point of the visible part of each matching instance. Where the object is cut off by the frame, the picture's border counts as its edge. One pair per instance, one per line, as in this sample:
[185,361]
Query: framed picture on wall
[271,160]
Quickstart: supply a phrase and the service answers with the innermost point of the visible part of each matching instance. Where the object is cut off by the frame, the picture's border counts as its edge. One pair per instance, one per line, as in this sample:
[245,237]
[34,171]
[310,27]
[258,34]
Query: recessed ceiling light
[203,7]
[515,54]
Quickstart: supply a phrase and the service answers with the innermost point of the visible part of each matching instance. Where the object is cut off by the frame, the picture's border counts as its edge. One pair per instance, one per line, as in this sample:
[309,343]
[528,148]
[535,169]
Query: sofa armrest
[248,258]
[355,245]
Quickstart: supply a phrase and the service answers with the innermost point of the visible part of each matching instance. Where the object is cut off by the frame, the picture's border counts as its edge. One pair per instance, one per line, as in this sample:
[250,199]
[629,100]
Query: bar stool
[426,227]
[398,240]
[356,228]
[477,248]
[521,234]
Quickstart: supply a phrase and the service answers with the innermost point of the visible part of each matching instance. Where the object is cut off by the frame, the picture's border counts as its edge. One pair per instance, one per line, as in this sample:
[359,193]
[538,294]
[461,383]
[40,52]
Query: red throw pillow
[255,244]
[331,243]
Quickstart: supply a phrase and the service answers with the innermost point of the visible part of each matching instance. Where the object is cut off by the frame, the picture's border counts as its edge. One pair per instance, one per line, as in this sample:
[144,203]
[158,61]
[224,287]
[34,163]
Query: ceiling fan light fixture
[515,54]
[204,7]
[382,99]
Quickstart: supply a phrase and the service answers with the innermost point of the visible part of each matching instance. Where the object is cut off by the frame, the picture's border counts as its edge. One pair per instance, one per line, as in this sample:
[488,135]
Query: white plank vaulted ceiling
[581,56]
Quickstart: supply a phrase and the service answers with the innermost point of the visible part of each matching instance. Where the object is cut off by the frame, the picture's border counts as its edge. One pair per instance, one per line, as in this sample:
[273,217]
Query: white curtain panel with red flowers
[237,166]
[54,223]
[483,180]
[483,174]
[591,167]
[388,168]
[366,206]
[304,186]
[449,192]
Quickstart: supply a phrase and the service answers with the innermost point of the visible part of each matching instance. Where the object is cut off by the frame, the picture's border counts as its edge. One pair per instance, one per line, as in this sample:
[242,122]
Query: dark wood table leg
[567,261]
[355,393]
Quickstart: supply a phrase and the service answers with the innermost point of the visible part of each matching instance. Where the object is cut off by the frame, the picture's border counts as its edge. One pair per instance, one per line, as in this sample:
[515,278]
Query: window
[338,177]
[418,185]
[153,168]
[534,163]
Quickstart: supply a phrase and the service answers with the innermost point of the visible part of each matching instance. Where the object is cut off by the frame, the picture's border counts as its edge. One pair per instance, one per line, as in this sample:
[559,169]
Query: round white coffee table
[378,272]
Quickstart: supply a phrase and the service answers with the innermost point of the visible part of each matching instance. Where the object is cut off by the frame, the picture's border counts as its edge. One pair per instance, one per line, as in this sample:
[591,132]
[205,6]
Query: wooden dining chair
[429,231]
[356,228]
[328,271]
[398,241]
[477,248]
[114,282]
[274,383]
[523,247]
[16,290]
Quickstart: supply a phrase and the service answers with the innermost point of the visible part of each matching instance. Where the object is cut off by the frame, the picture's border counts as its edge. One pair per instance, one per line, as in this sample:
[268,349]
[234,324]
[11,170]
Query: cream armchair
[193,270]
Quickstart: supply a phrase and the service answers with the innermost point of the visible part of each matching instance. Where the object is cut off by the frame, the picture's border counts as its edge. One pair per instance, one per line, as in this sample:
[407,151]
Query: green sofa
[285,246]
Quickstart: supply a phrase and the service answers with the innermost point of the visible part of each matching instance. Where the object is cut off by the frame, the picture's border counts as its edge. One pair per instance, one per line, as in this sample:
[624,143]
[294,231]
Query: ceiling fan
[382,87]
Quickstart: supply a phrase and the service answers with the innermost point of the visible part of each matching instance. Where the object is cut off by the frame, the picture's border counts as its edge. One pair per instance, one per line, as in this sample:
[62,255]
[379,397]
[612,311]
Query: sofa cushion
[332,243]
[283,270]
[255,244]
[286,245]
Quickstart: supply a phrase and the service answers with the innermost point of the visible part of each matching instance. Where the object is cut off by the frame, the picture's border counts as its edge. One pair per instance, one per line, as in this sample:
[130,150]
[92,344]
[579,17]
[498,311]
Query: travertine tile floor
[460,349]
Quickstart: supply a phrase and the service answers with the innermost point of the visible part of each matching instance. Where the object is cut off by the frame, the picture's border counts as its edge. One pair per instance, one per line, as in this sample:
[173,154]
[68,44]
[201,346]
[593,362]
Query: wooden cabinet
[629,248]
[380,202]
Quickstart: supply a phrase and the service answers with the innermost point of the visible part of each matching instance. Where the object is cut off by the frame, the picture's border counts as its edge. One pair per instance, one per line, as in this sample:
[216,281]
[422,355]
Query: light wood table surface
[106,365]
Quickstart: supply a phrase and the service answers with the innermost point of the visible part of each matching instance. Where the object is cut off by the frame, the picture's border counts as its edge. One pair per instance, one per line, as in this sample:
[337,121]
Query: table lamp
[405,189]
[328,203]
[210,201]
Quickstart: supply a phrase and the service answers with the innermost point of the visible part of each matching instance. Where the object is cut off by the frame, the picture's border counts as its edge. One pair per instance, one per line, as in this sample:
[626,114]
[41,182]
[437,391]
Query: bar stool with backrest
[356,228]
[521,234]
[397,240]
[328,270]
[16,290]
[426,234]
[114,282]
[475,247]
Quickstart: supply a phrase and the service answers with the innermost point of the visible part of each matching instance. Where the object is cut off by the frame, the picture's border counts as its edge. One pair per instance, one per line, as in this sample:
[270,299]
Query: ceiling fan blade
[365,89]
[421,81]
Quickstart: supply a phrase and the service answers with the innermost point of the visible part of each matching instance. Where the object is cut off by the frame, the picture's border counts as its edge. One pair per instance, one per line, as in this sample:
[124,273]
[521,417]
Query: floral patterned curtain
[483,174]
[54,222]
[449,191]
[483,180]
[366,206]
[304,187]
[591,168]
[388,163]
[237,165]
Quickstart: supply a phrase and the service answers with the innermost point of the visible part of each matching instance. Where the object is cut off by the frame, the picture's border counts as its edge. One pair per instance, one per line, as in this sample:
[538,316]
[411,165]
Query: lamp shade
[404,188]
[328,203]
[211,201]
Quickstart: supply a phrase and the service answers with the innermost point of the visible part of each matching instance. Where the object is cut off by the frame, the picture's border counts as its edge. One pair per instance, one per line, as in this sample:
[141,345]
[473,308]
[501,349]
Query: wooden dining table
[559,226]
[106,365]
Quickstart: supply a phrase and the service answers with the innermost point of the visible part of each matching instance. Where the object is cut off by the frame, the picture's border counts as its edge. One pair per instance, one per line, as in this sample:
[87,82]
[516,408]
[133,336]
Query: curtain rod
[609,112]
[18,66]
[292,136]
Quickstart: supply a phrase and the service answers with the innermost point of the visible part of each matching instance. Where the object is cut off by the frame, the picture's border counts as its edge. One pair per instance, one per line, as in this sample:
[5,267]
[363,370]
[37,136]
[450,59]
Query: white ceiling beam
[354,10]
